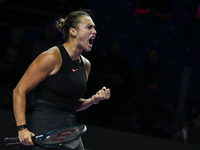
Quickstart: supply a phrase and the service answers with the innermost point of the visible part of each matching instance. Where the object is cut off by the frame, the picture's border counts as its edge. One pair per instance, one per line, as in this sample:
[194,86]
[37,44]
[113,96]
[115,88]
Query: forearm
[19,107]
[85,103]
[102,94]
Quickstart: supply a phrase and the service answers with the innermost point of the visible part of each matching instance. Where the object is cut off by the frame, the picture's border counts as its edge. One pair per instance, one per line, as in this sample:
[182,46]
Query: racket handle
[10,141]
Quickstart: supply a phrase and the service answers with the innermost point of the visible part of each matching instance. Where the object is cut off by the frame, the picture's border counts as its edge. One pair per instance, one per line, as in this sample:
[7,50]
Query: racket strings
[63,135]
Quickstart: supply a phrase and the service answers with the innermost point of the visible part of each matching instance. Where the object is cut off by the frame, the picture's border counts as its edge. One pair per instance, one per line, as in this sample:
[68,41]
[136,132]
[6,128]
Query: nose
[94,31]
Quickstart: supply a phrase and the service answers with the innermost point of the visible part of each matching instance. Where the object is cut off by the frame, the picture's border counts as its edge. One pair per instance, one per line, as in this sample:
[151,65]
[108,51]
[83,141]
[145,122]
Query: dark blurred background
[146,51]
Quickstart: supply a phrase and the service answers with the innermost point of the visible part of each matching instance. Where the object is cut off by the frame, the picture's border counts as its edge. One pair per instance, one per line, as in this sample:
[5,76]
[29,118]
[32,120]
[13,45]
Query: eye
[91,26]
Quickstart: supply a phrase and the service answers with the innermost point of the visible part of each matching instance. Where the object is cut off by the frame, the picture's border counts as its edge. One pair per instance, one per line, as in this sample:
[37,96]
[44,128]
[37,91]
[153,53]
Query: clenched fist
[102,94]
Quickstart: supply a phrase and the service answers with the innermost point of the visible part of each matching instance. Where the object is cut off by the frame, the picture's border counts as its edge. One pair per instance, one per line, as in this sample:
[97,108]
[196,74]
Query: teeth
[92,38]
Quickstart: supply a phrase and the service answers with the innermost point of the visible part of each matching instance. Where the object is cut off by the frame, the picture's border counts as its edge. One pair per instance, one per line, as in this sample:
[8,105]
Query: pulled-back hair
[71,21]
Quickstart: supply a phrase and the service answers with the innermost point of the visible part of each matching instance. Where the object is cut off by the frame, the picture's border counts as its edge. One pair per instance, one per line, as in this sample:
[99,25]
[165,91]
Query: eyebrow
[92,25]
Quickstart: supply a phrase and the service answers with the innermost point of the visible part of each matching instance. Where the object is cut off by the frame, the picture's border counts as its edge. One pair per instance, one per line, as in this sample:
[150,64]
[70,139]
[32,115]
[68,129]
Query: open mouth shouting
[91,40]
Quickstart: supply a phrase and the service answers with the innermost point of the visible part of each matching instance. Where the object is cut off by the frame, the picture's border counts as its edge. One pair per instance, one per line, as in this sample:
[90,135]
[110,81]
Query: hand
[102,94]
[25,137]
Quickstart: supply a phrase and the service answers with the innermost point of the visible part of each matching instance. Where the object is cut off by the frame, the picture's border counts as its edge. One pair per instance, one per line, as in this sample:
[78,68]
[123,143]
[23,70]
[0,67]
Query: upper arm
[43,66]
[87,66]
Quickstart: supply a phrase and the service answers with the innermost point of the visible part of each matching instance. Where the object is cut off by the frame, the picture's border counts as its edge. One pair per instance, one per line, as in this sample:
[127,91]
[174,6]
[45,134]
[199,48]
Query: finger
[103,93]
[30,139]
[108,93]
[23,141]
[30,142]
[27,141]
[32,134]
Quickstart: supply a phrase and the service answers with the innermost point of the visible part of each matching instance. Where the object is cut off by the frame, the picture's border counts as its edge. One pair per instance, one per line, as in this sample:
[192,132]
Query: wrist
[21,127]
[93,101]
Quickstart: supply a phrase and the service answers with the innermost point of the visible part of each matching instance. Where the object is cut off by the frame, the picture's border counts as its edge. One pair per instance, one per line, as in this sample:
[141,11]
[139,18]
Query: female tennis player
[59,76]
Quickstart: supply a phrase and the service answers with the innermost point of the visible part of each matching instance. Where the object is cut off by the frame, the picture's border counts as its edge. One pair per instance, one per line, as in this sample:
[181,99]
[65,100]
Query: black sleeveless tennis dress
[56,99]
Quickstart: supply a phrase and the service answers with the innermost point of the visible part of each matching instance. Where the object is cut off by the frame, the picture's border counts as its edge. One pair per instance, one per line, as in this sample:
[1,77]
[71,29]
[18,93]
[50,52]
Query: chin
[88,50]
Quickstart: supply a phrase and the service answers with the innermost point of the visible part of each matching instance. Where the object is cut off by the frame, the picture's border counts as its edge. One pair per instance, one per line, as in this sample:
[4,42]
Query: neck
[73,52]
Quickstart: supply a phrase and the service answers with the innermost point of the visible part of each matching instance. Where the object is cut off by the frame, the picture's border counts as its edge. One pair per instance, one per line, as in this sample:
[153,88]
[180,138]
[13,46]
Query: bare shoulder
[86,61]
[46,64]
[49,59]
[87,66]
[50,56]
[53,53]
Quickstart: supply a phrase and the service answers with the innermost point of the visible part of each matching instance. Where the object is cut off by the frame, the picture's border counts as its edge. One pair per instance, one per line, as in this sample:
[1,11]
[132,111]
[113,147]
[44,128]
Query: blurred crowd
[140,53]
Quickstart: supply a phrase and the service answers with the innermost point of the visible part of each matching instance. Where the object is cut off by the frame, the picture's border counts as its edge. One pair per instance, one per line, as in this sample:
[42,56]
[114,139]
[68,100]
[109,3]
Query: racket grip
[10,141]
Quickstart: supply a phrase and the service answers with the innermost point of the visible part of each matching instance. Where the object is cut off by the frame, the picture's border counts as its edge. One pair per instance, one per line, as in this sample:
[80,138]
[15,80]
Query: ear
[72,31]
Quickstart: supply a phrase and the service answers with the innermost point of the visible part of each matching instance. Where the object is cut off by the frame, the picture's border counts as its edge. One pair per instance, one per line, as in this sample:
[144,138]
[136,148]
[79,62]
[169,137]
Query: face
[86,33]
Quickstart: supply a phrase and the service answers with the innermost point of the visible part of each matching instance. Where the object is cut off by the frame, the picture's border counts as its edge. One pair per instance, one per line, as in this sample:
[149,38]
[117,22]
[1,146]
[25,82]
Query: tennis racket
[53,138]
